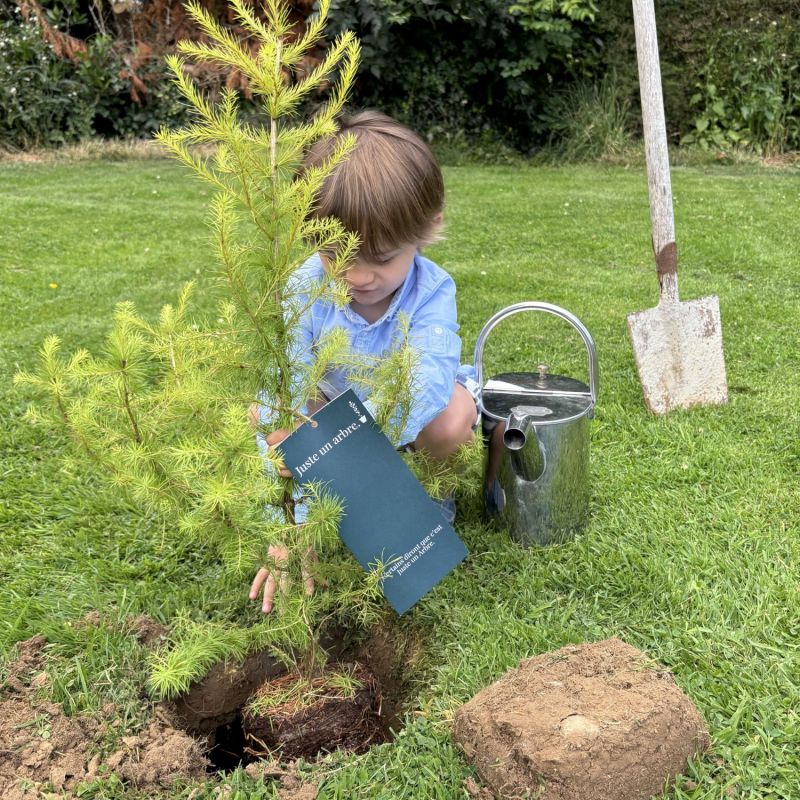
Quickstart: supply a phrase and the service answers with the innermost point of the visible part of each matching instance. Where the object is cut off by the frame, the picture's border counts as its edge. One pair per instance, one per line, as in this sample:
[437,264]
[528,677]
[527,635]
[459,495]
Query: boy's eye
[384,258]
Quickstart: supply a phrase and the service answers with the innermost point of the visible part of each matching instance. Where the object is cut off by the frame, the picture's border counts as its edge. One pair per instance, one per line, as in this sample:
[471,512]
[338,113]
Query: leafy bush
[748,89]
[42,101]
[481,68]
[474,77]
[114,113]
[729,70]
[47,99]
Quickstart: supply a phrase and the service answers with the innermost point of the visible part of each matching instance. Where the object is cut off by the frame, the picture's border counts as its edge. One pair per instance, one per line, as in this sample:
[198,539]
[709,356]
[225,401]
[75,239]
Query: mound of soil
[44,748]
[595,722]
[334,721]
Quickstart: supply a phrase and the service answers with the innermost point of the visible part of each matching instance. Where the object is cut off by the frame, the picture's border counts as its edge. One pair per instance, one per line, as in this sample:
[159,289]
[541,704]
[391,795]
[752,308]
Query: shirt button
[437,329]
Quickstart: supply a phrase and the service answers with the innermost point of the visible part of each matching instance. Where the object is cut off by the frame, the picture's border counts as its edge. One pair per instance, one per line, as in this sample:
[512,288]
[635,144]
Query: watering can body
[543,473]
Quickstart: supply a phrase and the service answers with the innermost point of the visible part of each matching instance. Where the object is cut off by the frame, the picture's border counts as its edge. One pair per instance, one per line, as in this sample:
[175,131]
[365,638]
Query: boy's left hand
[265,577]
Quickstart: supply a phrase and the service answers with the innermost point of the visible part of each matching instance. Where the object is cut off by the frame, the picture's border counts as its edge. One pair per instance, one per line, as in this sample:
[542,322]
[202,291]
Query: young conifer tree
[163,409]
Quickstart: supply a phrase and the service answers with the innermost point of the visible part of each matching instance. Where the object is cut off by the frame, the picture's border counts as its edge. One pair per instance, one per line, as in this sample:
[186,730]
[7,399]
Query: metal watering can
[543,474]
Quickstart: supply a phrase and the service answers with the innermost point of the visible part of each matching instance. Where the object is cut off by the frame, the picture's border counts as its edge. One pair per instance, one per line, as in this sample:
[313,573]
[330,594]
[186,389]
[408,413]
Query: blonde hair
[388,190]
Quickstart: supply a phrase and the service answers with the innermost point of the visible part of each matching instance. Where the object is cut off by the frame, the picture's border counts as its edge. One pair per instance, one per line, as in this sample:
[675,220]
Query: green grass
[692,552]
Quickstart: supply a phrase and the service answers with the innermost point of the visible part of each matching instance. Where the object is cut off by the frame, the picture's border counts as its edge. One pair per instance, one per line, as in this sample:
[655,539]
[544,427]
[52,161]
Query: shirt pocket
[441,341]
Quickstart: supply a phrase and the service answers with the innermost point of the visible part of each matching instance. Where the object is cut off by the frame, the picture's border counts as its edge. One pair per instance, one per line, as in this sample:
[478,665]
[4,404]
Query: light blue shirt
[428,299]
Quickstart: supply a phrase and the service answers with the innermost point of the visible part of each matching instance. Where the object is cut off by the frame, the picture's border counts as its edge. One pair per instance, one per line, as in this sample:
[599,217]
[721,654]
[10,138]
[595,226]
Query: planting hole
[251,710]
[228,748]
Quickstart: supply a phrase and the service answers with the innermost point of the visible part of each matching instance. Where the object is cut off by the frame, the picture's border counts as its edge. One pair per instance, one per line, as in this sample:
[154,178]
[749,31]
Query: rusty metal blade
[678,350]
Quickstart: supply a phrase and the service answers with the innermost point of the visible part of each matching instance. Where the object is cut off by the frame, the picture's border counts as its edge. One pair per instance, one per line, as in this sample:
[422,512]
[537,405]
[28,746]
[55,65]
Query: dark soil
[592,722]
[41,748]
[215,701]
[331,722]
[147,631]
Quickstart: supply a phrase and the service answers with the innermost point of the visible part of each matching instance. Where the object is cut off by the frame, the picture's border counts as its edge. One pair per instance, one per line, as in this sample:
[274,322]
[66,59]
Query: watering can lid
[558,397]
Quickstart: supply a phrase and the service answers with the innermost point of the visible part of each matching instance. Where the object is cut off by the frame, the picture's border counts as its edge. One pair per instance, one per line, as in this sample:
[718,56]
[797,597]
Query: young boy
[390,192]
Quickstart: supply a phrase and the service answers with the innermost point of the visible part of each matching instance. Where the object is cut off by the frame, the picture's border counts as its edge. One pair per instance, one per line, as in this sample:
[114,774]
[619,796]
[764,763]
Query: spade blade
[678,350]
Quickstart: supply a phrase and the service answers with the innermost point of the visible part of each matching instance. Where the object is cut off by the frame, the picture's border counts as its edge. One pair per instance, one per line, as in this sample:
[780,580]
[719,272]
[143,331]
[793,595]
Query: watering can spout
[520,438]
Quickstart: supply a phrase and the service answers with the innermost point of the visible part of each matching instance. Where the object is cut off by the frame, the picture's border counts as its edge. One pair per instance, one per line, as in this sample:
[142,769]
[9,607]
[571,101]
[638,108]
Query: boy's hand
[264,577]
[272,439]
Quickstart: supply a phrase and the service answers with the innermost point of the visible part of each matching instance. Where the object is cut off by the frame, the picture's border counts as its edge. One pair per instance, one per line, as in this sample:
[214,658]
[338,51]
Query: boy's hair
[388,190]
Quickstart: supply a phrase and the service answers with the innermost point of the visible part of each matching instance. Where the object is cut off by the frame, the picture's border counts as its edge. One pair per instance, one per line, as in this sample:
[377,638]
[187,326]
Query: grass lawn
[692,553]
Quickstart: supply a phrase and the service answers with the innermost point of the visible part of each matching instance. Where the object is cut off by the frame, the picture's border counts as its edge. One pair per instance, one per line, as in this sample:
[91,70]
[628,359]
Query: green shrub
[481,69]
[475,77]
[47,100]
[42,101]
[748,89]
[589,121]
[114,112]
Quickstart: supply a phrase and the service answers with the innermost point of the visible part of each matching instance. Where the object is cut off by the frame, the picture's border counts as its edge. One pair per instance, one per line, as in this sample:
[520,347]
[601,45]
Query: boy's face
[372,284]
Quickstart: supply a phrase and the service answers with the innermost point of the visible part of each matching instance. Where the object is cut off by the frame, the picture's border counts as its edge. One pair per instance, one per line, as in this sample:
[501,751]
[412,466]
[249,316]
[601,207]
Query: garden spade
[678,346]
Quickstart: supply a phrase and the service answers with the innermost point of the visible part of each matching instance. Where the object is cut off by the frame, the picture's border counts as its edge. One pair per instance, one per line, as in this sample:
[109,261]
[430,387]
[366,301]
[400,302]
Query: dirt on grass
[592,722]
[43,749]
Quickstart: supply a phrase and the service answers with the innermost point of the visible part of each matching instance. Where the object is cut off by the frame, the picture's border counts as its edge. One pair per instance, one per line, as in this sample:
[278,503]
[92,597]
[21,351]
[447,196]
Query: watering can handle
[549,309]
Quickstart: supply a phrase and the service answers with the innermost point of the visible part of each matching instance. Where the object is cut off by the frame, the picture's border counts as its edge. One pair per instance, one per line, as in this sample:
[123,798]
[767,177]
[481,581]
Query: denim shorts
[466,378]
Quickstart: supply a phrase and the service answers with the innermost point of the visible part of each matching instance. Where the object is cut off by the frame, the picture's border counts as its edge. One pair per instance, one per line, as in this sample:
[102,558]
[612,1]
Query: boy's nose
[357,277]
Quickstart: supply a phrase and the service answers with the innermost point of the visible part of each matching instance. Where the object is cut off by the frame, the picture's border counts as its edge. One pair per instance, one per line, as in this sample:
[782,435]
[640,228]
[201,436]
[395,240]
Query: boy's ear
[435,231]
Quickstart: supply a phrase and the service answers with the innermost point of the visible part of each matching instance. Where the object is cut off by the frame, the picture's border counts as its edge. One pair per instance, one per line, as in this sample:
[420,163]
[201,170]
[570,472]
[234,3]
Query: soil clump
[290,783]
[592,722]
[147,631]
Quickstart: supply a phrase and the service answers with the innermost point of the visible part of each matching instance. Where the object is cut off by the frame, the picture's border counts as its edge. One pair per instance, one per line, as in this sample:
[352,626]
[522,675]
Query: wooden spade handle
[655,142]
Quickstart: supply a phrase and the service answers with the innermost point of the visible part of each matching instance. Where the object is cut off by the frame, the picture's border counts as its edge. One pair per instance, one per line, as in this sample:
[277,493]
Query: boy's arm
[433,333]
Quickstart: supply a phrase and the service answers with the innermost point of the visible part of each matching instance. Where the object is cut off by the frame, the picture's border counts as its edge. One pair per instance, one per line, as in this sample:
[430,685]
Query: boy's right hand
[272,439]
[277,578]
[275,438]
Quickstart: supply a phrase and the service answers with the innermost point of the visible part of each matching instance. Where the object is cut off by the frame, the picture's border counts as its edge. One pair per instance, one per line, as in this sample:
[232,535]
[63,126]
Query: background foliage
[730,69]
[491,73]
